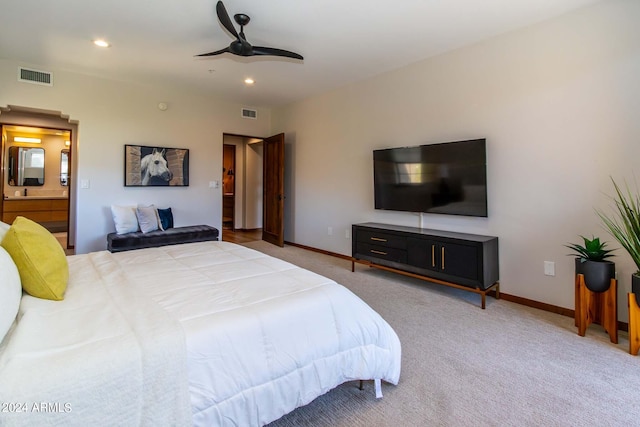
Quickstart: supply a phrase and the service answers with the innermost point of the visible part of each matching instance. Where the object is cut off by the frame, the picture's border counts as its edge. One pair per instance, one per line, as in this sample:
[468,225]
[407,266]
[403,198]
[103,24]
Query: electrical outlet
[347,233]
[549,268]
[330,231]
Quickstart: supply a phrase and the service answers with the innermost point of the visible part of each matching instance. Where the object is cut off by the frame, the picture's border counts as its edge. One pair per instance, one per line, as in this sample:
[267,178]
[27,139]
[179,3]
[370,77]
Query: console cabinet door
[455,259]
[459,260]
[423,253]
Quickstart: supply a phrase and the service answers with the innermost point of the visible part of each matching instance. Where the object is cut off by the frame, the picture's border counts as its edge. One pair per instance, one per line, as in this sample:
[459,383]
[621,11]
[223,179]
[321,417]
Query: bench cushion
[172,236]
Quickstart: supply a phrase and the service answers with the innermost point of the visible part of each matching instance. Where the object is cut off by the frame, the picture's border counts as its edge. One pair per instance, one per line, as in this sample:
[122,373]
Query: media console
[463,261]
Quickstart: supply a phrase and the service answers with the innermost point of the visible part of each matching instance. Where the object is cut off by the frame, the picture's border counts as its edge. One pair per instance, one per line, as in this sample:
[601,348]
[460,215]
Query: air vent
[35,76]
[249,114]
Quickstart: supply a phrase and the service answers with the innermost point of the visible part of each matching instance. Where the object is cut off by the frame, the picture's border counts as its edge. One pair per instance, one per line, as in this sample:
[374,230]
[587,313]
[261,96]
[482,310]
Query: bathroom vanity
[51,212]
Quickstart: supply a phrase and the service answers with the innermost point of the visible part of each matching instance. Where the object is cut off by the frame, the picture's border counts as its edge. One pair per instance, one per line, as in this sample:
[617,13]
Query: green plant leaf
[591,250]
[624,223]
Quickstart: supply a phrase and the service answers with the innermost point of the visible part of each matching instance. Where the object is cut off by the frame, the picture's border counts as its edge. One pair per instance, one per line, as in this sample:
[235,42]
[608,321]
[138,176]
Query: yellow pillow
[40,259]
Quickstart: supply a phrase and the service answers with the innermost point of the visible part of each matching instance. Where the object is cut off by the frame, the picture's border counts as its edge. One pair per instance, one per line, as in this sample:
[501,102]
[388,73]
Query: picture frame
[152,166]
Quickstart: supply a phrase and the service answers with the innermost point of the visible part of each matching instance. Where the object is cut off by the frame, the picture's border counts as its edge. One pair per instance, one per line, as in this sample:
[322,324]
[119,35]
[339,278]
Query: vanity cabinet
[39,210]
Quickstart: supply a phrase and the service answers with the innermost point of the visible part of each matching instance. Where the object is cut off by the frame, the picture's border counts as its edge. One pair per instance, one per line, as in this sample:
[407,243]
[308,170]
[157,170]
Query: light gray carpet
[508,365]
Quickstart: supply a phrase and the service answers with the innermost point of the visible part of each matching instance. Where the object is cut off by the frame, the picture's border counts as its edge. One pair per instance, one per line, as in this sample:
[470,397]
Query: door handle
[433,255]
[442,254]
[378,239]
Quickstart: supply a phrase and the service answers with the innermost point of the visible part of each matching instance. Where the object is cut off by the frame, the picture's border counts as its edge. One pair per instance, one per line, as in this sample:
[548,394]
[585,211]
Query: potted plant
[624,225]
[591,262]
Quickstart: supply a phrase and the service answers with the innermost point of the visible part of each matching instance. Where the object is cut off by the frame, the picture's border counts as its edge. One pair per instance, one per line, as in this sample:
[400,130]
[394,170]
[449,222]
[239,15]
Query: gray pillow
[147,218]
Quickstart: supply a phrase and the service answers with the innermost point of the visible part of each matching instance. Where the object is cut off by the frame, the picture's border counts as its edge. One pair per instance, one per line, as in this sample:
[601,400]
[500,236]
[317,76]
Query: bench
[172,236]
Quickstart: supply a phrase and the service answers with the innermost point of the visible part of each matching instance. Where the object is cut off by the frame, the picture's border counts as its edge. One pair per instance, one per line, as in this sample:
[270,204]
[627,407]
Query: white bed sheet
[263,336]
[106,354]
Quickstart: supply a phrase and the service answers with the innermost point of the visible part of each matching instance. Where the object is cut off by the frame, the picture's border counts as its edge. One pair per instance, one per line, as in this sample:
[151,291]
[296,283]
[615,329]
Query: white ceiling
[342,41]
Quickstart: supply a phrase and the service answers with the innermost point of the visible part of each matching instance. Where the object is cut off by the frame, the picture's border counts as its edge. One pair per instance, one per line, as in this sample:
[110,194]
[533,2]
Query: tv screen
[448,178]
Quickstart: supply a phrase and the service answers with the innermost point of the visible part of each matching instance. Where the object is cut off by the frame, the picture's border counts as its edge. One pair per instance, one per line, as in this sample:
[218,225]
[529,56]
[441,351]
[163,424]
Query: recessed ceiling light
[249,81]
[101,43]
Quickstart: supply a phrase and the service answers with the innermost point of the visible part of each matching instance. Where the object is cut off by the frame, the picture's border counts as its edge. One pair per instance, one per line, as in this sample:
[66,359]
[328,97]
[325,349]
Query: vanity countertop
[35,197]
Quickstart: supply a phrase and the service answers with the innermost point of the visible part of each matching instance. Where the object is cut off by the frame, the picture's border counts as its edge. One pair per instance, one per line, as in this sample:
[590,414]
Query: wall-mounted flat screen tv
[447,178]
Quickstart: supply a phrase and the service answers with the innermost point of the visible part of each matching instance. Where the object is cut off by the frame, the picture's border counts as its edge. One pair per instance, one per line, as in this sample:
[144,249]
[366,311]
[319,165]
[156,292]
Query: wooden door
[273,190]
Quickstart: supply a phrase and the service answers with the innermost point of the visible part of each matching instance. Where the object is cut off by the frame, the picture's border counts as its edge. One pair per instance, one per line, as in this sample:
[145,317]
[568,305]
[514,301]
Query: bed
[204,334]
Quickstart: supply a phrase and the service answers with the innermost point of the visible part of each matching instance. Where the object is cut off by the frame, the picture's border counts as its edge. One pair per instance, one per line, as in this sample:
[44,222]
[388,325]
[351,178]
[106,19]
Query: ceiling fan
[240,46]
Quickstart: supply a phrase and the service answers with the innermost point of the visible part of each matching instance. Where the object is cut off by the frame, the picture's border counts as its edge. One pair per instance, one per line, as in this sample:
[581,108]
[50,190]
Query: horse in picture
[154,170]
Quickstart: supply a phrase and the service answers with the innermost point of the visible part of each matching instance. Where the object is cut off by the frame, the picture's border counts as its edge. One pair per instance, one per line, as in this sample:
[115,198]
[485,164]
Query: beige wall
[558,103]
[113,113]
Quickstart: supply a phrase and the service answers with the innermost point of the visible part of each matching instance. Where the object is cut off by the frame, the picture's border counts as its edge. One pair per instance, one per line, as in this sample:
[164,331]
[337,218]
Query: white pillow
[10,292]
[125,219]
[3,229]
[147,218]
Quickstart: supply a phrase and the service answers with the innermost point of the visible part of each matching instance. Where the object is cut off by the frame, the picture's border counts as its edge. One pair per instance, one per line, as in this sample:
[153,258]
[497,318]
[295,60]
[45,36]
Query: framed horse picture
[146,166]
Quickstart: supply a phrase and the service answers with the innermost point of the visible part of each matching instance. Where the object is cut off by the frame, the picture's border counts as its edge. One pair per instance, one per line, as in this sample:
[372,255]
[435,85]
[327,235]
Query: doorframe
[231,171]
[245,139]
[12,115]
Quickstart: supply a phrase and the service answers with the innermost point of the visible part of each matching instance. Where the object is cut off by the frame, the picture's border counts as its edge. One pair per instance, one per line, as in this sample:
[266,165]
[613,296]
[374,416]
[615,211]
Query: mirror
[64,168]
[26,166]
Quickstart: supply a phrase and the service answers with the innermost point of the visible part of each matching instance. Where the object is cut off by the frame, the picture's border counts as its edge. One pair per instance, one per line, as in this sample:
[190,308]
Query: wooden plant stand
[634,324]
[597,307]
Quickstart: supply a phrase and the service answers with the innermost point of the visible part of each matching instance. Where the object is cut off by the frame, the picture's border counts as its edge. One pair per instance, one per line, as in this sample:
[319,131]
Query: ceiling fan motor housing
[241,47]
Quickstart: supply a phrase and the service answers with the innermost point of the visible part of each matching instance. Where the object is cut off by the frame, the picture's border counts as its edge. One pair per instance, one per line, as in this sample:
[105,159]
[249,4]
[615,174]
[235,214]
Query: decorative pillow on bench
[166,218]
[130,219]
[147,218]
[125,219]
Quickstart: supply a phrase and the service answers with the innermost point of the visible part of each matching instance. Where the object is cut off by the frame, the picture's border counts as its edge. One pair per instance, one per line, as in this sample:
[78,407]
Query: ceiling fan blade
[223,16]
[259,50]
[217,52]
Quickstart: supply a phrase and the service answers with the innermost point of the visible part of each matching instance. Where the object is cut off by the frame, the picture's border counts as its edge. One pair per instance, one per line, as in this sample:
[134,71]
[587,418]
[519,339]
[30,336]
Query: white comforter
[262,337]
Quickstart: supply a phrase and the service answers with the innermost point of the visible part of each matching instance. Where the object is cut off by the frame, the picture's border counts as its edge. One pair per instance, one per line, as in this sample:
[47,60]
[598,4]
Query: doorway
[241,183]
[36,179]
[228,186]
[258,197]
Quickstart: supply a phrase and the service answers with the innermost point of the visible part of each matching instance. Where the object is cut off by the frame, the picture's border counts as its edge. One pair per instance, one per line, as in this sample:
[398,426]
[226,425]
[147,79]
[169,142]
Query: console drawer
[381,252]
[385,240]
